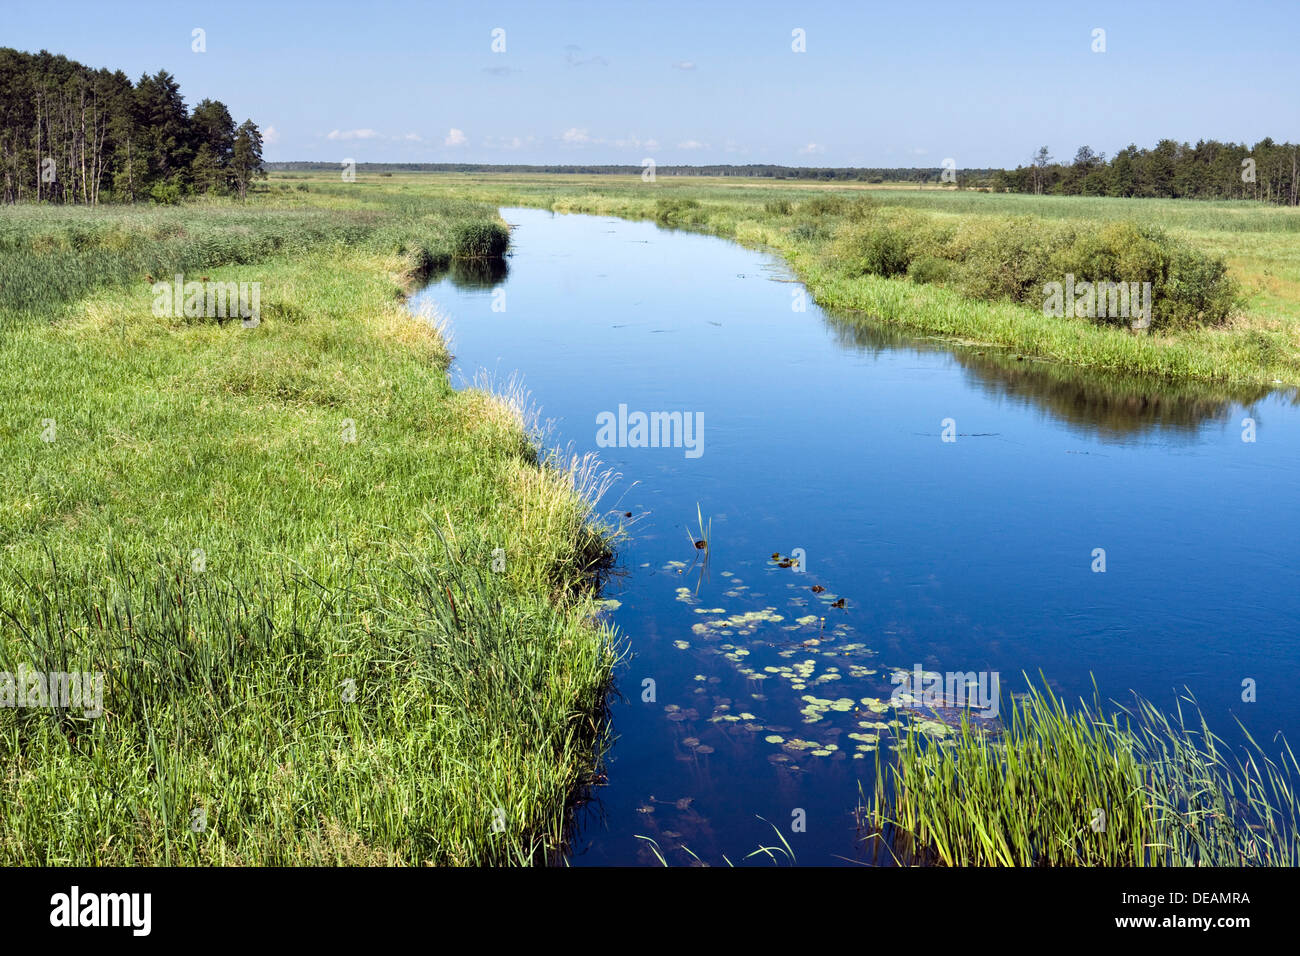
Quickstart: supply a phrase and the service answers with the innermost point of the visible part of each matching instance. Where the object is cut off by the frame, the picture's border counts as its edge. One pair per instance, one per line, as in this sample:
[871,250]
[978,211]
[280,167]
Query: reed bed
[1086,786]
[344,613]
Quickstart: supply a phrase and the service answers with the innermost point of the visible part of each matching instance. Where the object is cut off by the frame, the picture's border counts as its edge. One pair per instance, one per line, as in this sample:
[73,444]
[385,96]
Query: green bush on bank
[1015,257]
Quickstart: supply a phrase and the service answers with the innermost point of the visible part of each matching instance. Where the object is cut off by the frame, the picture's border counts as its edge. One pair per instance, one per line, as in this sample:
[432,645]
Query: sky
[876,84]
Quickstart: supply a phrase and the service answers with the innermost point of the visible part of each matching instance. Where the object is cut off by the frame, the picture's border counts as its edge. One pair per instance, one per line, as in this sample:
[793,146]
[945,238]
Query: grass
[278,545]
[1078,786]
[346,614]
[1259,345]
[774,854]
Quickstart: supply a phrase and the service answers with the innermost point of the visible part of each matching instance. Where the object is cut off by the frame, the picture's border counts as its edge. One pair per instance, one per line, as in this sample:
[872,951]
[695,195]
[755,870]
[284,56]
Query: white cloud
[352,134]
[455,137]
[684,65]
[270,135]
[692,144]
[812,149]
[413,138]
[509,142]
[634,143]
[575,136]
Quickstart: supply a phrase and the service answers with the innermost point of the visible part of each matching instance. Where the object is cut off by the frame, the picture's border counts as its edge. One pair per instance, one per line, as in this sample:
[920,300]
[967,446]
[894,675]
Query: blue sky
[880,84]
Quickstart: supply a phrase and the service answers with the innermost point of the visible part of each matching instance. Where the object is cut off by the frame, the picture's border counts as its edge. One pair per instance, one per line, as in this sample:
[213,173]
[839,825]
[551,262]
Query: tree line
[73,134]
[1268,172]
[897,174]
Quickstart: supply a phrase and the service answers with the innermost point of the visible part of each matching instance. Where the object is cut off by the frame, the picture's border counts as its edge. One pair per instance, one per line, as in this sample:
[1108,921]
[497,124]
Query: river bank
[342,612]
[807,224]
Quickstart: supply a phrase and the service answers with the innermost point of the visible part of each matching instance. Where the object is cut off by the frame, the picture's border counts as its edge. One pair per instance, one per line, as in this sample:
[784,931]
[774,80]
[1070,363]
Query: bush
[1187,287]
[1008,258]
[676,212]
[879,243]
[166,194]
[1199,291]
[480,240]
[930,269]
[778,207]
[808,231]
[823,206]
[1015,257]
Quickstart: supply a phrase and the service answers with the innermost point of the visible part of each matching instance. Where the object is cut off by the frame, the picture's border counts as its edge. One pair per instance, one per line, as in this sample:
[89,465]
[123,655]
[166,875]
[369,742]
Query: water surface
[966,556]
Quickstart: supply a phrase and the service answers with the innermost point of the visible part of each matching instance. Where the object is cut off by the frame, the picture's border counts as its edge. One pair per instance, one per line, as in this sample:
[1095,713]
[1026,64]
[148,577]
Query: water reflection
[1105,404]
[472,273]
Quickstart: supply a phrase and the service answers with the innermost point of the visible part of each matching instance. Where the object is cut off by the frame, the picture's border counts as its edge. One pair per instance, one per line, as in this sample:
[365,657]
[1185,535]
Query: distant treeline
[1267,171]
[72,134]
[898,174]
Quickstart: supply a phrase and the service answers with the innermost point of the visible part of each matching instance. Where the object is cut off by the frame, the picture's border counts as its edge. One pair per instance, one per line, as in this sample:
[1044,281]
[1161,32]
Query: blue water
[969,555]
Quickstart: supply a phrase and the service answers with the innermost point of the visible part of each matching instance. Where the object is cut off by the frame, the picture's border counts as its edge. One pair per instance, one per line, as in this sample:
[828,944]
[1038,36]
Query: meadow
[347,614]
[343,612]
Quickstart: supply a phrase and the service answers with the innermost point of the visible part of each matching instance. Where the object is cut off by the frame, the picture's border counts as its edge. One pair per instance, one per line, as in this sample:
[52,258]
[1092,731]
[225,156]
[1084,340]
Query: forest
[1266,172]
[73,134]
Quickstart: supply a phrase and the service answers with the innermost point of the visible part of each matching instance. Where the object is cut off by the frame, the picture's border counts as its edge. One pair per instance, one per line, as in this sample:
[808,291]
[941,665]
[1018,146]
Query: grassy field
[807,223]
[279,545]
[346,614]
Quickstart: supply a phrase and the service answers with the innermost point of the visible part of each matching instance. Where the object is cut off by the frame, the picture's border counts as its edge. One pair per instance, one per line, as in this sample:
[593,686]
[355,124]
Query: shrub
[823,206]
[808,231]
[1199,291]
[166,194]
[480,240]
[930,269]
[778,207]
[676,212]
[1187,287]
[1007,258]
[878,243]
[884,251]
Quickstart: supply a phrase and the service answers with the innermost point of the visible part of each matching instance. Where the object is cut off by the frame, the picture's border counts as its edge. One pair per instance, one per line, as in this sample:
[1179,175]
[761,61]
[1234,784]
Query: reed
[279,546]
[1086,786]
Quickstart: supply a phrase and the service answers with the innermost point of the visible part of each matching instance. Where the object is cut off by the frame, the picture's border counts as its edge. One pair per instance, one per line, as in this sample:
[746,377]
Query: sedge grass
[1063,786]
[279,545]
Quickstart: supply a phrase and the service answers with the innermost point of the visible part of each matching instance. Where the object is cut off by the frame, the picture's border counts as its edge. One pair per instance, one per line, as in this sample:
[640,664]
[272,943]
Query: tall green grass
[389,716]
[1062,786]
[51,256]
[280,546]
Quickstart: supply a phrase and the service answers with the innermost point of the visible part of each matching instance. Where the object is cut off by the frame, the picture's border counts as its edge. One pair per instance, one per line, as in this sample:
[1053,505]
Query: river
[961,502]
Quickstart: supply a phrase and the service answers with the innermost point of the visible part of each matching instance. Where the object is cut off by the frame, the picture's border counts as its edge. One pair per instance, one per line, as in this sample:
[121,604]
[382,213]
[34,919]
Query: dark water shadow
[471,273]
[1102,403]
